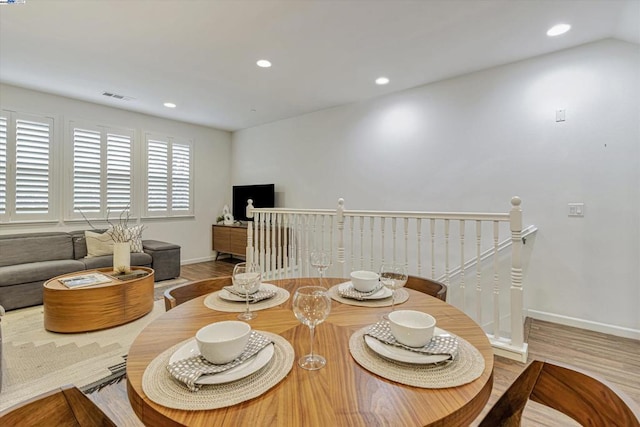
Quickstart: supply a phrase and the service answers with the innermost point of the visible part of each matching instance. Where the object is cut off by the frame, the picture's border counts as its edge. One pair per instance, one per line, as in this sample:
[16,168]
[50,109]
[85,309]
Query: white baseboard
[590,325]
[196,260]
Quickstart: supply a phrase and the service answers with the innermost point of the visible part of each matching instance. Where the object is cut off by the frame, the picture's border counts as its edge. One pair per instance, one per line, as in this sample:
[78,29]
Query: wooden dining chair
[582,397]
[64,406]
[182,293]
[427,286]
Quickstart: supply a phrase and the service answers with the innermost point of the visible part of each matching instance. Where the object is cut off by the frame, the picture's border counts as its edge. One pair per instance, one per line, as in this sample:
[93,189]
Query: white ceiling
[201,54]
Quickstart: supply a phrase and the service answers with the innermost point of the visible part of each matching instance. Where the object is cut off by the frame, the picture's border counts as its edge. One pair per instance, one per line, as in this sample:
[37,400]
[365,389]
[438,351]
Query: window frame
[11,216]
[169,212]
[104,130]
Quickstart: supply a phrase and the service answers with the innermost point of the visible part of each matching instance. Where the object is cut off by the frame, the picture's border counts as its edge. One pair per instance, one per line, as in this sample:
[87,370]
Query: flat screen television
[263,196]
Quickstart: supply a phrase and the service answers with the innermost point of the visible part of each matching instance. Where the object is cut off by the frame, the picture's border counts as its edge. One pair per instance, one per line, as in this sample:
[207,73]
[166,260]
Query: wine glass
[311,306]
[246,276]
[393,276]
[320,259]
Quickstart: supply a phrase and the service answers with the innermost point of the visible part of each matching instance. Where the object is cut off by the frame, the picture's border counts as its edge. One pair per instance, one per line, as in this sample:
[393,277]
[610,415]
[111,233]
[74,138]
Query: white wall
[472,142]
[212,169]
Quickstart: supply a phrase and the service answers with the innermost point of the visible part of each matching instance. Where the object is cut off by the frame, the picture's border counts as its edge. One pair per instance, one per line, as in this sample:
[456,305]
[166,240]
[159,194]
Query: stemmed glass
[311,305]
[246,276]
[393,276]
[320,259]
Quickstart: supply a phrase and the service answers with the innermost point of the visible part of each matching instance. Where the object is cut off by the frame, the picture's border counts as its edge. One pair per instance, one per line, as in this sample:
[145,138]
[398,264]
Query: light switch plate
[576,209]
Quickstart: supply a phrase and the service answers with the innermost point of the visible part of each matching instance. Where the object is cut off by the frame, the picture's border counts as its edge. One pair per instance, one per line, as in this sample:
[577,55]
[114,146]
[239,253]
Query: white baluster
[462,284]
[433,247]
[262,242]
[382,227]
[393,235]
[351,242]
[419,234]
[249,249]
[517,325]
[371,233]
[496,284]
[279,245]
[331,248]
[285,245]
[268,244]
[446,252]
[406,243]
[478,272]
[340,219]
[361,266]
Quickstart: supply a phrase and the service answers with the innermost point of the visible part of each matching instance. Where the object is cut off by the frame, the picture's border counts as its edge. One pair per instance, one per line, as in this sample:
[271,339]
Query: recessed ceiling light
[263,63]
[558,29]
[382,81]
[170,105]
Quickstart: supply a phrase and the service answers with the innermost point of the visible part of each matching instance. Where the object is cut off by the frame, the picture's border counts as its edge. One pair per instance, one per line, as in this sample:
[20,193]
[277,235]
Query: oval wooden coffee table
[98,306]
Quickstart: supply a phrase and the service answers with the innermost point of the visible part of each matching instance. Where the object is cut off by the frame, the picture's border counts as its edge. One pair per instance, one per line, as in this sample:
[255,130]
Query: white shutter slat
[180,194]
[118,171]
[86,171]
[33,145]
[157,175]
[4,123]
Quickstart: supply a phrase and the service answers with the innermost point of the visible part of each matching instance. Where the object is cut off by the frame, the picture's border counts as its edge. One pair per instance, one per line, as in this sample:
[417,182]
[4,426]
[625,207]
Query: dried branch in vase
[120,232]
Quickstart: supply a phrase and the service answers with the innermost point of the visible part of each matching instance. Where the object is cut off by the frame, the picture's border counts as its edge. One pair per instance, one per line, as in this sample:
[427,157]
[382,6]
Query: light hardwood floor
[615,359]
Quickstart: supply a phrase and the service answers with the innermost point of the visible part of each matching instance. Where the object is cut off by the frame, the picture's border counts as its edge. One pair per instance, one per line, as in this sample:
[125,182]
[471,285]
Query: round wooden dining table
[341,394]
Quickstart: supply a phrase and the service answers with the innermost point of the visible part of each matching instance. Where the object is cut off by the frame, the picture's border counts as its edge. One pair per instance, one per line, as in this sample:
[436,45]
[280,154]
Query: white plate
[245,369]
[402,355]
[228,296]
[382,293]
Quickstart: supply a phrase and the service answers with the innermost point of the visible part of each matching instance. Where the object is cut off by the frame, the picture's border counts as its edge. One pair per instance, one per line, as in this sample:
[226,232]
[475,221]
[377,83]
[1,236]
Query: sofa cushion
[98,244]
[34,247]
[135,236]
[37,271]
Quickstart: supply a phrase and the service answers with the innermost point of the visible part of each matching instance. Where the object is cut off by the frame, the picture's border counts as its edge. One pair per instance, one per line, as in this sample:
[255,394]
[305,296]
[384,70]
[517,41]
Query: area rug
[36,360]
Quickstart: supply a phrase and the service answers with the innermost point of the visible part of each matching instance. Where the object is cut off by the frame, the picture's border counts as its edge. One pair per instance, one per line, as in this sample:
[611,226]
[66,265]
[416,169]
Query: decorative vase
[122,257]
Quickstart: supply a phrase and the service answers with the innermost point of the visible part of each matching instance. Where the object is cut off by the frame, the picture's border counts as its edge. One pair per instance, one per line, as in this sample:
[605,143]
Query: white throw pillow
[98,244]
[135,237]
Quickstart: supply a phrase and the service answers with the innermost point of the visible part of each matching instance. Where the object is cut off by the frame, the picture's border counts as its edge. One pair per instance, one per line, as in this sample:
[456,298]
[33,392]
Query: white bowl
[412,328]
[221,342]
[364,281]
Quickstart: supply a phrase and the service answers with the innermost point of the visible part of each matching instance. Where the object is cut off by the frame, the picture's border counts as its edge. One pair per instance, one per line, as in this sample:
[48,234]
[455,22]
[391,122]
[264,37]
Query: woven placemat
[466,367]
[401,296]
[214,302]
[163,389]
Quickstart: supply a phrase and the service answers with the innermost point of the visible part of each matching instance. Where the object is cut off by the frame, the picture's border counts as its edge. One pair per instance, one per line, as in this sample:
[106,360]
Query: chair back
[182,293]
[65,406]
[589,401]
[427,286]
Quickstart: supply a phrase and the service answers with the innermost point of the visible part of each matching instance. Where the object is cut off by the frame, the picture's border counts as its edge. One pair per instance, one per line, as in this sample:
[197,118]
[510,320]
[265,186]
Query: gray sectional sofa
[28,260]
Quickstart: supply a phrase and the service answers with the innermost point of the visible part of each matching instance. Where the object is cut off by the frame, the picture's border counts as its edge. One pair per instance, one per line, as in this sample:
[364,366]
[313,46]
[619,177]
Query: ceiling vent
[116,96]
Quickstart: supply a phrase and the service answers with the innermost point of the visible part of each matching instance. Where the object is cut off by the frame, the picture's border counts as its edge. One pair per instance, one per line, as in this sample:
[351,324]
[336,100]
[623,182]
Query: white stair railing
[431,244]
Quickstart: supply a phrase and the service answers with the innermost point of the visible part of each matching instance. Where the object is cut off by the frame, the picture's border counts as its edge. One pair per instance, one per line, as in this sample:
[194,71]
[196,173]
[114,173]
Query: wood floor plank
[615,359]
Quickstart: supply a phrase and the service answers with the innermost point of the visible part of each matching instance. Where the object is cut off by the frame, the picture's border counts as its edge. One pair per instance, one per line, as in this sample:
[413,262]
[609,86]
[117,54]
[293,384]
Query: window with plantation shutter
[3,166]
[102,162]
[26,144]
[169,176]
[157,176]
[181,178]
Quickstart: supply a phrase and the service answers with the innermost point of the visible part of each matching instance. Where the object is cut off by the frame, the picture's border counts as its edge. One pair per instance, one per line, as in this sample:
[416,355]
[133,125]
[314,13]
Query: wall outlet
[560,115]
